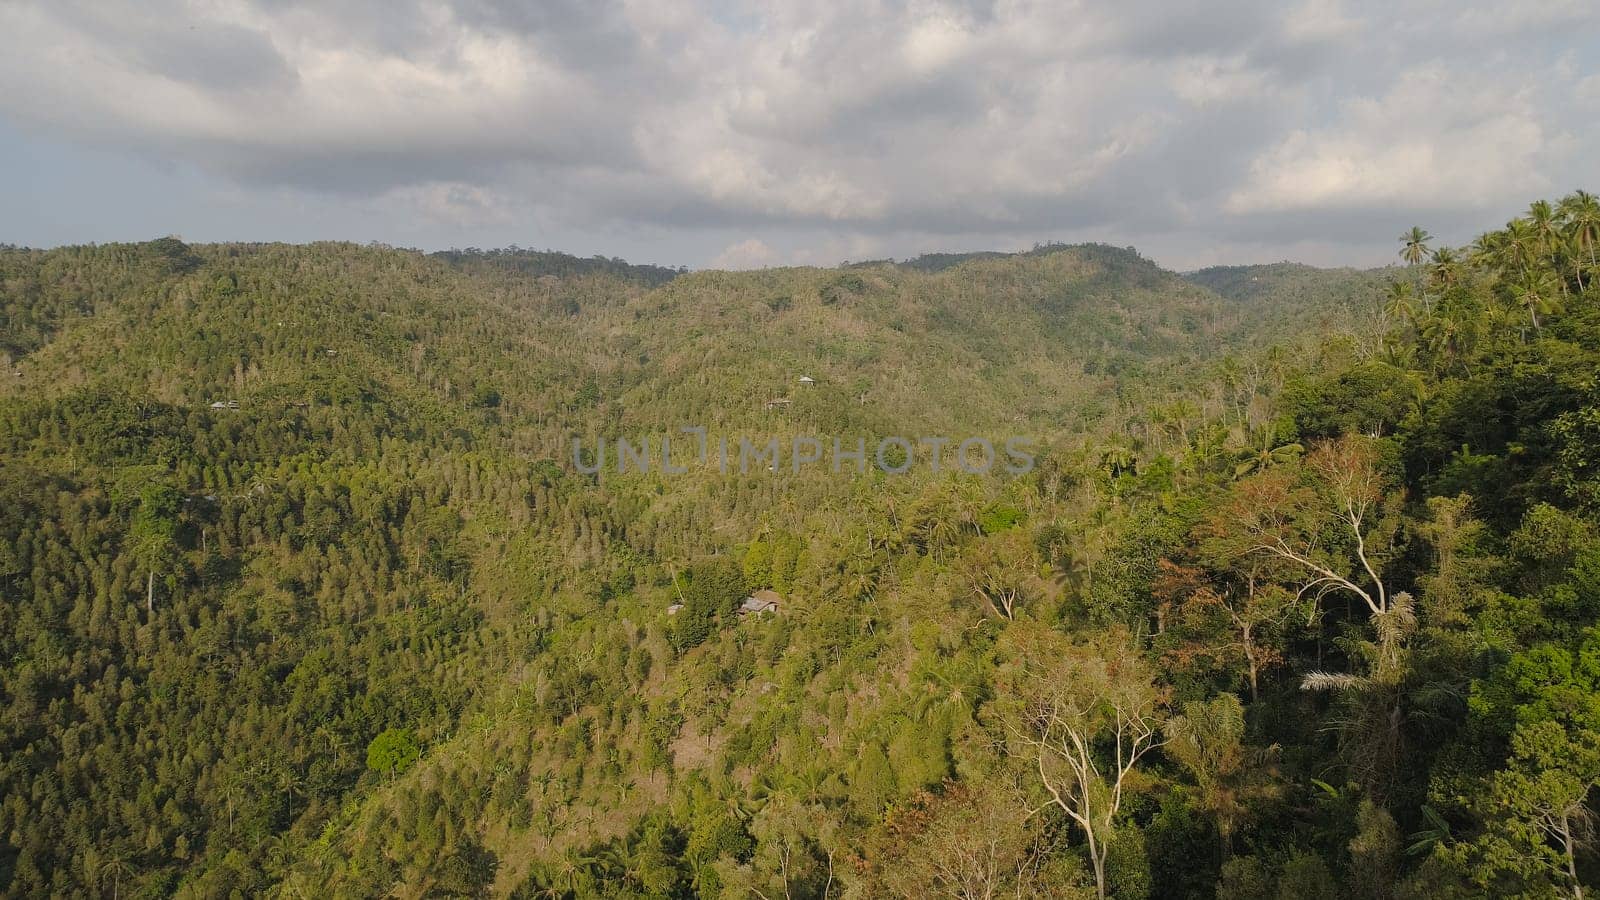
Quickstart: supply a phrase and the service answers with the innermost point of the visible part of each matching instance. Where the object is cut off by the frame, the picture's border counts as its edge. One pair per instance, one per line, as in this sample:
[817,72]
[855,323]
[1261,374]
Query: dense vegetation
[303,595]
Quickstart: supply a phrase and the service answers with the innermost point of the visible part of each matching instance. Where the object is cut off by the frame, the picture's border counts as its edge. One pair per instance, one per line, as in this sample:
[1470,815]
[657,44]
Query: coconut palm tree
[1582,212]
[1402,354]
[1265,456]
[1533,293]
[1402,303]
[1448,339]
[1374,717]
[1489,250]
[1415,247]
[1546,226]
[1521,246]
[1547,232]
[116,867]
[1446,269]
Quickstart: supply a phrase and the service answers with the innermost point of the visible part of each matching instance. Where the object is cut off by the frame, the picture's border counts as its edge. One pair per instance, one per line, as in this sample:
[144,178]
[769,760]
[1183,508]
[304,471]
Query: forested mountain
[1291,283]
[305,595]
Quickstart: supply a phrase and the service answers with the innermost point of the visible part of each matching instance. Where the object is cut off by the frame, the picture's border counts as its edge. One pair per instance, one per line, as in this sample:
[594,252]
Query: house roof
[760,601]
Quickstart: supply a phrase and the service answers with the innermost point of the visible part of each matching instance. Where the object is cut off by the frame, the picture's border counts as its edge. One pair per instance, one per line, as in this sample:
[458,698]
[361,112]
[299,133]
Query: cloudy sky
[720,132]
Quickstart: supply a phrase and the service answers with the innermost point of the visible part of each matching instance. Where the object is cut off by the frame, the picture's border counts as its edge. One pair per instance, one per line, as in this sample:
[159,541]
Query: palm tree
[1582,211]
[1448,339]
[1489,249]
[1532,293]
[1446,267]
[117,867]
[1401,354]
[1542,217]
[1263,454]
[1374,716]
[1547,232]
[1521,245]
[1118,459]
[1416,245]
[1402,302]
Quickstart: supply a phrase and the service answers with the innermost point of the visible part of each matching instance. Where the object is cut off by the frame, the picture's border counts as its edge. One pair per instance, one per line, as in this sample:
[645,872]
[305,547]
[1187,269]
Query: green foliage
[264,503]
[709,592]
[1000,517]
[1305,876]
[1127,866]
[393,751]
[1245,878]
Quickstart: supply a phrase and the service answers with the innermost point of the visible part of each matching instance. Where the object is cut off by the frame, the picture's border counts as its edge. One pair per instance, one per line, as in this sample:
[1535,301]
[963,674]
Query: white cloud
[747,254]
[1320,20]
[451,204]
[861,125]
[1437,139]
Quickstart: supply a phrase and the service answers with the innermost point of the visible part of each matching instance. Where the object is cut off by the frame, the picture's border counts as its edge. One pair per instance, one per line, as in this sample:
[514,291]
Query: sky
[744,134]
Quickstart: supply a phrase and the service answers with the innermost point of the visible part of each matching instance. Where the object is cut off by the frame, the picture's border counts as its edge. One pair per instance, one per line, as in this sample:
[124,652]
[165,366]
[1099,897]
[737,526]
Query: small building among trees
[760,603]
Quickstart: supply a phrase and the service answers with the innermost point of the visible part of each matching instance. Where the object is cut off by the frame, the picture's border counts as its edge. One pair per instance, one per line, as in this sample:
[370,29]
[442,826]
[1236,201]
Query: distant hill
[1299,299]
[539,263]
[1287,282]
[564,342]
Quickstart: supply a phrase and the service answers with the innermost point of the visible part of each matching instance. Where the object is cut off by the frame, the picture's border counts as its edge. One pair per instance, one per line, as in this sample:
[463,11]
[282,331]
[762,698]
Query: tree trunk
[1247,639]
[150,593]
[1572,863]
[1098,855]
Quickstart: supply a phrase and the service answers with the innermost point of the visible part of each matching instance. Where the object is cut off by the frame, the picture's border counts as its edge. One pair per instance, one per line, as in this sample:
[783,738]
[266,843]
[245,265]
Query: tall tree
[1086,715]
[1582,211]
[1539,811]
[1304,516]
[1207,739]
[154,536]
[1415,245]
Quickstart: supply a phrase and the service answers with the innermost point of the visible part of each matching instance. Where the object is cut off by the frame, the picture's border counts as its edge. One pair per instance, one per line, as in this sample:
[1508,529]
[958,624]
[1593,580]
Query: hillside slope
[302,589]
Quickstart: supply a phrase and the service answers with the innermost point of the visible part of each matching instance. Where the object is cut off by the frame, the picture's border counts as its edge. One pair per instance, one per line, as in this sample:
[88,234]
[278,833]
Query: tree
[1374,852]
[154,536]
[1446,269]
[1306,877]
[1371,726]
[1300,517]
[1582,211]
[1449,339]
[1415,248]
[1207,739]
[1546,229]
[1533,293]
[1084,715]
[1264,455]
[1538,808]
[971,842]
[1239,619]
[392,751]
[794,855]
[1402,305]
[999,570]
[1519,246]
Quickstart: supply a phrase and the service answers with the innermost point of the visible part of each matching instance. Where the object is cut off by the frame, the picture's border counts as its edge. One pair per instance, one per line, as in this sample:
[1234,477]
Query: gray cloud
[781,132]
